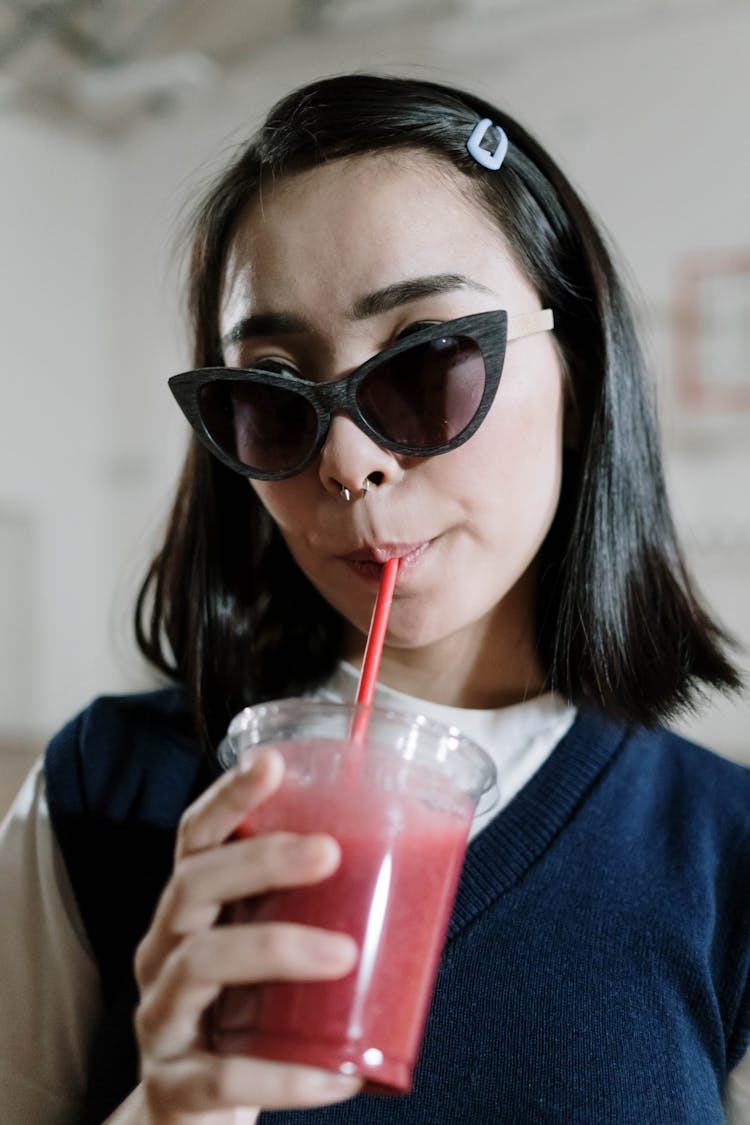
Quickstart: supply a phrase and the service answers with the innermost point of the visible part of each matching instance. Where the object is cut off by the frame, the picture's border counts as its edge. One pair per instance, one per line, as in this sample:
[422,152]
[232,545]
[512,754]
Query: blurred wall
[56,210]
[646,113]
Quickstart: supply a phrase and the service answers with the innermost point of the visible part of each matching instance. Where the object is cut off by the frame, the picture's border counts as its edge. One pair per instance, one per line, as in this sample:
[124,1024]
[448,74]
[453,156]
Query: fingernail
[246,760]
[313,846]
[332,947]
[341,1083]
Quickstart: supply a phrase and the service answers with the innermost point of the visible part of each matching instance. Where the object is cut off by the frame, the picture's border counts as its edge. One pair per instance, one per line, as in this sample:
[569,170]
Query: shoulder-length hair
[224,608]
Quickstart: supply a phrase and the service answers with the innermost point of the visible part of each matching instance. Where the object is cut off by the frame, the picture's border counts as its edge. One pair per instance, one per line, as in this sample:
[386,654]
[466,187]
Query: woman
[496,434]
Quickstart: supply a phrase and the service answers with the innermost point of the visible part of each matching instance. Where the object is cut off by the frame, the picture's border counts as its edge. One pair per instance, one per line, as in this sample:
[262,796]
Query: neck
[464,674]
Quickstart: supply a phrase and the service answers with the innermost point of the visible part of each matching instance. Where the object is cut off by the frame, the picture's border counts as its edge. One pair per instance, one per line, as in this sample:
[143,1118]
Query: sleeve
[49,986]
[737,1098]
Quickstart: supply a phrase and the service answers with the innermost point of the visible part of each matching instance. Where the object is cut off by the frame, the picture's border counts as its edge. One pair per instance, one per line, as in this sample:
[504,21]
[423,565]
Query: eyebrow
[371,304]
[264,324]
[401,292]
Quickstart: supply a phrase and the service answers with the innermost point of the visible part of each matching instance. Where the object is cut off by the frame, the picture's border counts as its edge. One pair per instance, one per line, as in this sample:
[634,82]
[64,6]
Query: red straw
[376,635]
[374,647]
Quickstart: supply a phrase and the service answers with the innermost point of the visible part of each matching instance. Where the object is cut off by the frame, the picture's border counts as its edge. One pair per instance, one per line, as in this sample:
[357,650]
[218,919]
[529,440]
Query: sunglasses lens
[269,429]
[426,395]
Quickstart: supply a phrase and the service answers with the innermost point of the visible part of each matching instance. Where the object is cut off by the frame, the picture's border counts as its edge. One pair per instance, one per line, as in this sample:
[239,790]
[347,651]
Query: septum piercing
[345,493]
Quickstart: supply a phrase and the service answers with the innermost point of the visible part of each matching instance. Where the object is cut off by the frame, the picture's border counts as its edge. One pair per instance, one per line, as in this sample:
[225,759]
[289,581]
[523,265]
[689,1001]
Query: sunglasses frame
[489,330]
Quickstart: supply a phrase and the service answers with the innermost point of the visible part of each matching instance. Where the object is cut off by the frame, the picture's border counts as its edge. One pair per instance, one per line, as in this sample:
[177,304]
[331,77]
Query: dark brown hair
[225,610]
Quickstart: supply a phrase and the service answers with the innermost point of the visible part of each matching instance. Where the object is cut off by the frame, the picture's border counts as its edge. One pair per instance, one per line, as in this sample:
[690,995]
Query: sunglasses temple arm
[526,324]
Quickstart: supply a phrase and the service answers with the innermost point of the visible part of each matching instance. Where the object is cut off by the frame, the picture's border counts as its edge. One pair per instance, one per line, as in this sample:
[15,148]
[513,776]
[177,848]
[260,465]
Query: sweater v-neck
[519,835]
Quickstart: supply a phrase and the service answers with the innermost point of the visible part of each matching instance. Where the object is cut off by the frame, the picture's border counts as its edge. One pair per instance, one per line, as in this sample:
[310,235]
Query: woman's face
[313,252]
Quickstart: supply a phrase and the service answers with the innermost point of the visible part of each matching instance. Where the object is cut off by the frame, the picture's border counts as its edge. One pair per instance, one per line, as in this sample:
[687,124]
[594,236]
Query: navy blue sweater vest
[596,968]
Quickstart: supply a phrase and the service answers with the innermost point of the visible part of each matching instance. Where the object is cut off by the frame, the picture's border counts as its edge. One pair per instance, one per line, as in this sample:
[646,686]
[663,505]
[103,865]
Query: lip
[384,552]
[367,562]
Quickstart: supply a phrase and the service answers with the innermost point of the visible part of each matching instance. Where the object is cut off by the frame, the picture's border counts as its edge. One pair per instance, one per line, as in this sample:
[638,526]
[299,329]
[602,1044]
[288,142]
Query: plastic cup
[400,802]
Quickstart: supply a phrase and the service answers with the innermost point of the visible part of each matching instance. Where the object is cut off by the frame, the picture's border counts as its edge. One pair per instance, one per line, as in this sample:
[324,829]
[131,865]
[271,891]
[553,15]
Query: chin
[416,634]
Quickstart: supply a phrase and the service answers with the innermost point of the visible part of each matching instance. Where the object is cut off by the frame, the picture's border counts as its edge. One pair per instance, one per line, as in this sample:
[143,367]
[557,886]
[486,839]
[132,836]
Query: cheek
[285,501]
[515,458]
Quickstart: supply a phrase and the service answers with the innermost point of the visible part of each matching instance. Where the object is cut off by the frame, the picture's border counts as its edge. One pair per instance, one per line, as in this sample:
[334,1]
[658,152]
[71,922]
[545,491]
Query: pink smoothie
[403,837]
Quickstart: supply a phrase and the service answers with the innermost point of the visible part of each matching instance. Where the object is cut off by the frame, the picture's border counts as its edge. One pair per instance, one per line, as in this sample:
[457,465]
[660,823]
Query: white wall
[649,119]
[56,313]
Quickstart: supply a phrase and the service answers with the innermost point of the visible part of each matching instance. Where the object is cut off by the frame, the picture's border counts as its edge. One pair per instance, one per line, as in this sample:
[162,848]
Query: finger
[202,1082]
[170,1013]
[217,812]
[203,882]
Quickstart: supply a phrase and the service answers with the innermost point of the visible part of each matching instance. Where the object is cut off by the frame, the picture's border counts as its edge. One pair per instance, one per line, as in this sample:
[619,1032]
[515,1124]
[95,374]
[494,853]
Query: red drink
[402,828]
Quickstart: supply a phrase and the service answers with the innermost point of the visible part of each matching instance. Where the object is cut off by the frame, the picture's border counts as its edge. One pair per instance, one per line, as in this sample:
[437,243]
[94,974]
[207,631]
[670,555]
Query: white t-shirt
[50,997]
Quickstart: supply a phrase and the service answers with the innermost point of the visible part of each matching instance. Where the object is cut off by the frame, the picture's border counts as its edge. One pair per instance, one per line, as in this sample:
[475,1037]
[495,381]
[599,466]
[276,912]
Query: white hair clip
[483,156]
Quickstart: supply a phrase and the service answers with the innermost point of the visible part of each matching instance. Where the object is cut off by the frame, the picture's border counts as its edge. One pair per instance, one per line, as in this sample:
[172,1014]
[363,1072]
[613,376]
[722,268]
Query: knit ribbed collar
[519,835]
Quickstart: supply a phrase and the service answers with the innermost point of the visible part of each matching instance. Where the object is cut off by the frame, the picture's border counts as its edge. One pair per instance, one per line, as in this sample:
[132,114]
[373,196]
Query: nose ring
[345,493]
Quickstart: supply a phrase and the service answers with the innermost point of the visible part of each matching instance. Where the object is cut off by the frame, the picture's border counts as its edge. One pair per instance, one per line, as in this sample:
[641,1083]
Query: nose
[351,461]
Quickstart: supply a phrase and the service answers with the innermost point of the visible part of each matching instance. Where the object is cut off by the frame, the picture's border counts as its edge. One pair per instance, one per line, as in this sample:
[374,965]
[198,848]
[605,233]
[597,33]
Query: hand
[185,959]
